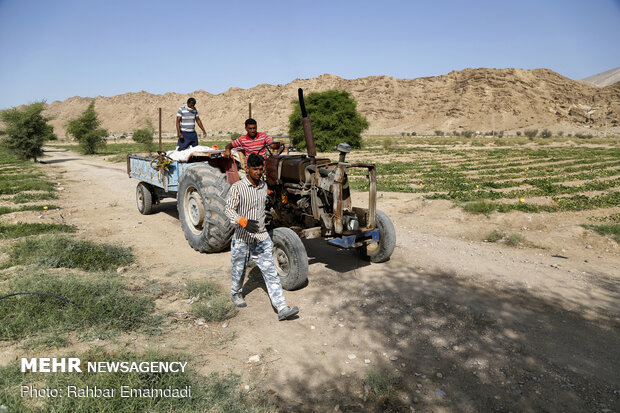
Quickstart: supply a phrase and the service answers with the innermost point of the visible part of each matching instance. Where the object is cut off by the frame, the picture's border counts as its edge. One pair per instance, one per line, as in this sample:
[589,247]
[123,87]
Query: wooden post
[159,129]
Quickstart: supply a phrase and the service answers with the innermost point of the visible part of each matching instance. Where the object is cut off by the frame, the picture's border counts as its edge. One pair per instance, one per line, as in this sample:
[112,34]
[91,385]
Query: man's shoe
[287,312]
[238,300]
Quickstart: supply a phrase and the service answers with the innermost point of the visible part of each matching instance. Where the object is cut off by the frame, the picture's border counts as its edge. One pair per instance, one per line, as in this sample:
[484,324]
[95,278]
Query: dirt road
[458,324]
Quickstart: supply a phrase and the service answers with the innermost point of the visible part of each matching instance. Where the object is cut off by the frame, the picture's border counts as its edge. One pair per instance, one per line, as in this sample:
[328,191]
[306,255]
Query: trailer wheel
[201,201]
[144,198]
[382,250]
[290,258]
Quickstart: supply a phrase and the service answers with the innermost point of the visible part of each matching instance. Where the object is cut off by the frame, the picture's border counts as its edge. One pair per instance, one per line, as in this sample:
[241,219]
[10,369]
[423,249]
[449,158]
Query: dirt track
[465,325]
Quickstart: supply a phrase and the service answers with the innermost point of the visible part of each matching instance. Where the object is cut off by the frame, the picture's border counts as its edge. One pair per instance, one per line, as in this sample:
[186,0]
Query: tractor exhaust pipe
[305,122]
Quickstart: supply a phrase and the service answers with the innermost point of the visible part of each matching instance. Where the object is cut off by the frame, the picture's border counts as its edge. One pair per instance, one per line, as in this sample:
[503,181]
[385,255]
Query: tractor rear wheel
[201,201]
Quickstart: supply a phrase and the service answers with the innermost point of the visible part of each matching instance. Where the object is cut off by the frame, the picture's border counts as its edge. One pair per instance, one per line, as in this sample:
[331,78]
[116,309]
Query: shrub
[494,236]
[413,134]
[455,133]
[515,240]
[518,133]
[144,137]
[546,133]
[335,119]
[530,133]
[234,136]
[27,130]
[438,133]
[560,133]
[388,143]
[85,129]
[467,133]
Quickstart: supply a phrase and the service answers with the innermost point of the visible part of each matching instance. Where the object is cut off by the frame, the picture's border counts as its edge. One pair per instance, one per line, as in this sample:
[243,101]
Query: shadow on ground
[457,346]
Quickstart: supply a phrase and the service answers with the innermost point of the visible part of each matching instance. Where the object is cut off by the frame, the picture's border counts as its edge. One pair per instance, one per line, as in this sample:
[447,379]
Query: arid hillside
[605,78]
[471,99]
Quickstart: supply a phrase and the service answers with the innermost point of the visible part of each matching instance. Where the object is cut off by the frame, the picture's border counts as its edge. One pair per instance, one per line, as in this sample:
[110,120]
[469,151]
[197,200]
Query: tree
[334,120]
[145,136]
[85,129]
[27,130]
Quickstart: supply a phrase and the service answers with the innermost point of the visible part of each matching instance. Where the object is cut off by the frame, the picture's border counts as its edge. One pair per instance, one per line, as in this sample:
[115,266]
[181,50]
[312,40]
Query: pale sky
[53,50]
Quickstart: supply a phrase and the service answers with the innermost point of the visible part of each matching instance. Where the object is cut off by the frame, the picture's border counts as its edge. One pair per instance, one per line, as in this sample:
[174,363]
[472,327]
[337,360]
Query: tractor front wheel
[290,258]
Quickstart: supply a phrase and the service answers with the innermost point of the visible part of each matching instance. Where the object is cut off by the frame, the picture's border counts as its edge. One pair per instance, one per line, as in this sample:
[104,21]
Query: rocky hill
[604,79]
[471,99]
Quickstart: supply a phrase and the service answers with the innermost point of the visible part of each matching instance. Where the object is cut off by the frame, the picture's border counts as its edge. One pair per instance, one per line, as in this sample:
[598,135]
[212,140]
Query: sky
[54,49]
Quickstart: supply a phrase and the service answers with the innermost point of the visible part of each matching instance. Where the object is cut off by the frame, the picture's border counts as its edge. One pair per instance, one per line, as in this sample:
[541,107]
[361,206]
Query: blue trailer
[199,184]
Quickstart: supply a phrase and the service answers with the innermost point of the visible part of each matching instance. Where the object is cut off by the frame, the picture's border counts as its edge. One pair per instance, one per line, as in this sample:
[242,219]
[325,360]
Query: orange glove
[249,225]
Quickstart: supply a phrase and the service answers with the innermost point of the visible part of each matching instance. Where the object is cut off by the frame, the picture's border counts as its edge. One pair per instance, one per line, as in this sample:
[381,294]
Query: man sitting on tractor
[252,142]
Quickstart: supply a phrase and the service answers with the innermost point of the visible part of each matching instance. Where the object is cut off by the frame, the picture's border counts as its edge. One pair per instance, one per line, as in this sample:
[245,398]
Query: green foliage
[144,137]
[9,210]
[546,133]
[208,303]
[515,240]
[63,252]
[438,133]
[530,133]
[85,129]
[413,133]
[334,120]
[467,133]
[27,130]
[24,197]
[22,229]
[381,385]
[607,229]
[518,133]
[104,304]
[234,136]
[494,236]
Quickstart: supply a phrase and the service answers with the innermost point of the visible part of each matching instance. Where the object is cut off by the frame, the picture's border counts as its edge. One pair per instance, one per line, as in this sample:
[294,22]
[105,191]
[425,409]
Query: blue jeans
[189,139]
[262,254]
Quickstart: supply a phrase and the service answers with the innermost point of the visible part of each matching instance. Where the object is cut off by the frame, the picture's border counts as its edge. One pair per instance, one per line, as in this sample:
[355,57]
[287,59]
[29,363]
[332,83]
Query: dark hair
[250,121]
[191,100]
[255,160]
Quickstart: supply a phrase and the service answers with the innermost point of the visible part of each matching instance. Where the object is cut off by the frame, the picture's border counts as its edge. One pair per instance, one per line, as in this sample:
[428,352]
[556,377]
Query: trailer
[199,184]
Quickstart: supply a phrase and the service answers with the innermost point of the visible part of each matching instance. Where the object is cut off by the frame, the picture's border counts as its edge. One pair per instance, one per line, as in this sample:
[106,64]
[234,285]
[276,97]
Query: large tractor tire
[144,198]
[381,251]
[290,258]
[201,201]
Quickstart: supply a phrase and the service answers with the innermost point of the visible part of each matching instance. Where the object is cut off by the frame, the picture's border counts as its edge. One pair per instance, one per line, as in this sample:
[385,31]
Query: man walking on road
[245,207]
[187,116]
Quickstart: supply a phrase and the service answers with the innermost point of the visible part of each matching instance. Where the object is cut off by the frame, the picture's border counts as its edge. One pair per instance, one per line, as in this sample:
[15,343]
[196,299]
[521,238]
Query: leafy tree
[334,120]
[85,129]
[438,133]
[145,136]
[26,130]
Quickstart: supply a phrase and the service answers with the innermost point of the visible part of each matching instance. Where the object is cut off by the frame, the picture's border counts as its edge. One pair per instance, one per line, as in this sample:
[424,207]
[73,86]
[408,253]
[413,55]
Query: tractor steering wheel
[267,147]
